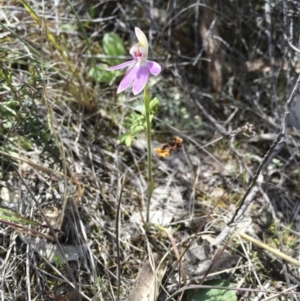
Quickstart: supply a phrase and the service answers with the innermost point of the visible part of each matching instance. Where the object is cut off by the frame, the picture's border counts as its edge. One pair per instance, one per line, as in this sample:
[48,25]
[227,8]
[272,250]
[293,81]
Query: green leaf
[154,103]
[92,11]
[8,215]
[113,45]
[127,139]
[136,128]
[212,294]
[154,106]
[25,143]
[58,261]
[100,75]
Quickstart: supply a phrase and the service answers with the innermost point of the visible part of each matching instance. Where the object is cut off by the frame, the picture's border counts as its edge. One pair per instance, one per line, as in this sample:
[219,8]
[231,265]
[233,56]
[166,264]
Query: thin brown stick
[280,139]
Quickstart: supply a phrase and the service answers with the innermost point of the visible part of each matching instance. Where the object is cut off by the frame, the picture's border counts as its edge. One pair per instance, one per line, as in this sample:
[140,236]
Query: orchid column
[137,76]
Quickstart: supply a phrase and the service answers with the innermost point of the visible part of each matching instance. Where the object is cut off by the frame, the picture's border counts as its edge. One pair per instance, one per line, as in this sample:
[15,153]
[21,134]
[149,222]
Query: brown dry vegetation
[228,70]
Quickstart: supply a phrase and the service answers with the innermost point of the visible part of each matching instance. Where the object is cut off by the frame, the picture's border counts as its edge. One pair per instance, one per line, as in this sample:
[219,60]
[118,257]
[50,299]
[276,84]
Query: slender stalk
[118,221]
[148,134]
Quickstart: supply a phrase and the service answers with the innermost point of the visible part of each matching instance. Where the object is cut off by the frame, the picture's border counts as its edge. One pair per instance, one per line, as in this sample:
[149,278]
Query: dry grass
[226,68]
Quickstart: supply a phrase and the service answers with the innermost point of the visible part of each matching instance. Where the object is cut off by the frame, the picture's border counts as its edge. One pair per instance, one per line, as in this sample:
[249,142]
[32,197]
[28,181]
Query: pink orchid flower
[139,67]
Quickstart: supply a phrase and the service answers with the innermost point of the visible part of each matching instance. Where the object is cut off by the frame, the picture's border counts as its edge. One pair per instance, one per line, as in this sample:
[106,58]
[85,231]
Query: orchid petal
[128,79]
[121,66]
[139,68]
[141,79]
[141,38]
[154,67]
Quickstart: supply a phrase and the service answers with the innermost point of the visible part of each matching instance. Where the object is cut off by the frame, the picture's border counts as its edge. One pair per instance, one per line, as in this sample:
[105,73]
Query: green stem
[148,134]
